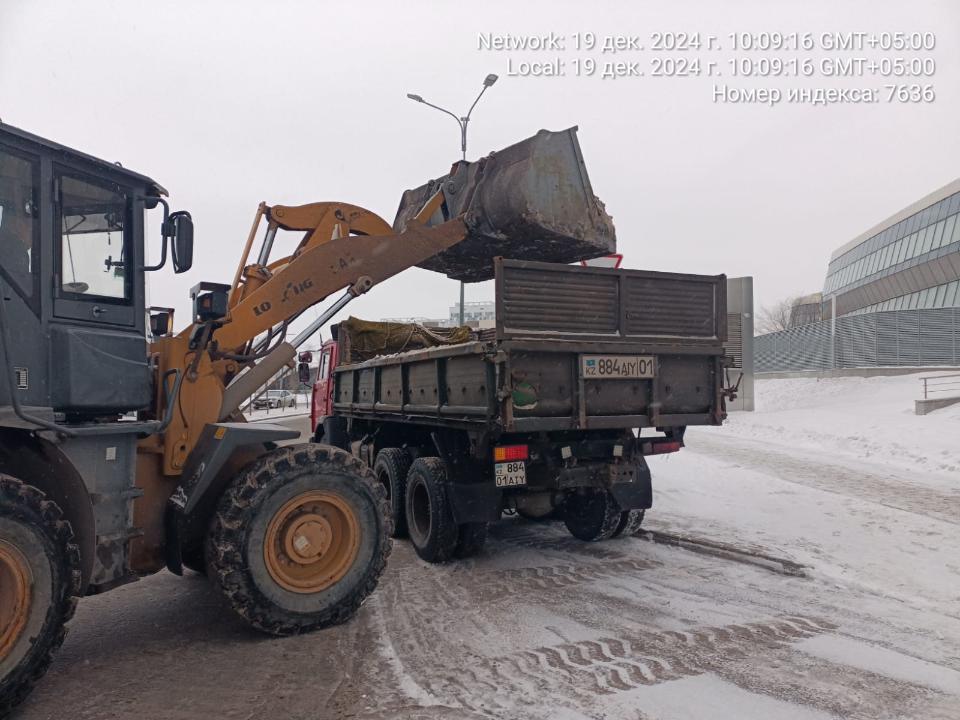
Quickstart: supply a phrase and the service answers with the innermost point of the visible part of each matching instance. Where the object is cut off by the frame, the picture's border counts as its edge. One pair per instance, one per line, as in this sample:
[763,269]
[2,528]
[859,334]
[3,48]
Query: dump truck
[122,447]
[552,412]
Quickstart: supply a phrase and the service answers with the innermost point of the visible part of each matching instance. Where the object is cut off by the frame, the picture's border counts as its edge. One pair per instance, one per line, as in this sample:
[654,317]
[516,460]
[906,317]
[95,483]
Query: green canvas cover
[365,339]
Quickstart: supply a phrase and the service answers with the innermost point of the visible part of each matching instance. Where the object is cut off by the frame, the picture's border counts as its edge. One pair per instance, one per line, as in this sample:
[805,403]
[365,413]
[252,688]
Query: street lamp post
[462,122]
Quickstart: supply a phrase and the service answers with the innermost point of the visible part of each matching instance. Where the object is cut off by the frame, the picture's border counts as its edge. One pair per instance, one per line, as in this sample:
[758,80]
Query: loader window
[19,225]
[94,246]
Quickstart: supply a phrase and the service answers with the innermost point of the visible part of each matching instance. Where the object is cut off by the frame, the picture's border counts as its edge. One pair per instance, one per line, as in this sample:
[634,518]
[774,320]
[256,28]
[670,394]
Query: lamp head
[415,97]
[489,80]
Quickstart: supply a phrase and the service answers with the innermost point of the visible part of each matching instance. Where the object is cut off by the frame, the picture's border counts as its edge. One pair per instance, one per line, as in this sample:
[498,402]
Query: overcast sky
[230,103]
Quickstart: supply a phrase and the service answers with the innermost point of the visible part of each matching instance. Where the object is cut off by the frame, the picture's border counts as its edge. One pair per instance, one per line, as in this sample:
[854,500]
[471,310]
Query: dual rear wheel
[592,514]
[420,507]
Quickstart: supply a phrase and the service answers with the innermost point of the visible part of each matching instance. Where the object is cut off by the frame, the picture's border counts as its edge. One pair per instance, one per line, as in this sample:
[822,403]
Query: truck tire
[471,537]
[630,522]
[591,514]
[391,468]
[299,539]
[39,585]
[430,524]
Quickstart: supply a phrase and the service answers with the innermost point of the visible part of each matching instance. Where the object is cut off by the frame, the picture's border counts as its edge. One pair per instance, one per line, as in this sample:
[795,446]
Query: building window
[941,294]
[951,298]
[912,252]
[938,234]
[954,229]
[926,242]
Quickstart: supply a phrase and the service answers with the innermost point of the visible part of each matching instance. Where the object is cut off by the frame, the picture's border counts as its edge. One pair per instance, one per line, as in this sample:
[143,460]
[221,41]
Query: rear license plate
[510,474]
[618,367]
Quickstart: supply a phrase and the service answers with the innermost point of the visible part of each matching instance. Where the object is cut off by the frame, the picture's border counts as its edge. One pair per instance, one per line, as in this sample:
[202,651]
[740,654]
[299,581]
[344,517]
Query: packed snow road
[544,626]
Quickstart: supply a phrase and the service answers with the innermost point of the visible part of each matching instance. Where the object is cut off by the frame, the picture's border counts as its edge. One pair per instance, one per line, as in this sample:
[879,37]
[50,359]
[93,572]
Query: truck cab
[321,403]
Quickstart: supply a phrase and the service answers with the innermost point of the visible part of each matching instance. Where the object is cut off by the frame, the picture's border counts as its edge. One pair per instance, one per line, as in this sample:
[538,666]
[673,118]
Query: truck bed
[575,348]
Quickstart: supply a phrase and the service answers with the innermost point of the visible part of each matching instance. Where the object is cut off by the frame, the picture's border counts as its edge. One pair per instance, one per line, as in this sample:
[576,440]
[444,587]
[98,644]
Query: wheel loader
[122,447]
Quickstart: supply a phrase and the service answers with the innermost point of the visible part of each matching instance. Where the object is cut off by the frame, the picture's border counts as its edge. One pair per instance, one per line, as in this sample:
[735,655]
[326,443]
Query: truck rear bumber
[574,348]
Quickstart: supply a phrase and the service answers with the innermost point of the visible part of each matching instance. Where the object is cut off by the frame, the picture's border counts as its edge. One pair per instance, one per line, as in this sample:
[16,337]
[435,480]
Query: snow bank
[865,418]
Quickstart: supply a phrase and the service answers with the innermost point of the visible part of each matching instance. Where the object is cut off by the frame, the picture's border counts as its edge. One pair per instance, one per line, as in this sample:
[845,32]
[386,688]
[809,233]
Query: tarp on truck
[532,200]
[365,339]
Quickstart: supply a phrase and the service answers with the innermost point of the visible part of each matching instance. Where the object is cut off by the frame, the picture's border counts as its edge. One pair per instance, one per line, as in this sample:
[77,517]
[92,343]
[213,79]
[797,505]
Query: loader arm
[344,246]
[343,243]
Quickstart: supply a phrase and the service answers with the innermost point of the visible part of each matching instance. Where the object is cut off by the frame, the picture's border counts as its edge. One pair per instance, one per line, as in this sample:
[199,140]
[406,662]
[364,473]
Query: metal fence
[904,338]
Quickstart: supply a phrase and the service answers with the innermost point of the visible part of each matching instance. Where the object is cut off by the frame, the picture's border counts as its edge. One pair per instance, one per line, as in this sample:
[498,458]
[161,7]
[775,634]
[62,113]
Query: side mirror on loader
[177,232]
[182,241]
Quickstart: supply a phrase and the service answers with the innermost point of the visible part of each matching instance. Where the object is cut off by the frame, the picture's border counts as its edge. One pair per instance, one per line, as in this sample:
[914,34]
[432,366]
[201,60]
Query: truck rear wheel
[391,468]
[630,522]
[429,520]
[591,514]
[299,539]
[39,582]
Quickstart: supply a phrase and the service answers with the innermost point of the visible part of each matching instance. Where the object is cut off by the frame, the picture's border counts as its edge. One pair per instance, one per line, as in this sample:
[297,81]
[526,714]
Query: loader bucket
[532,200]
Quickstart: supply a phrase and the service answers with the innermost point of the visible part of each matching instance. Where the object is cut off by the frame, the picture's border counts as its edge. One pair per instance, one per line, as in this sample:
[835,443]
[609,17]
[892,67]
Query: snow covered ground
[839,475]
[869,419]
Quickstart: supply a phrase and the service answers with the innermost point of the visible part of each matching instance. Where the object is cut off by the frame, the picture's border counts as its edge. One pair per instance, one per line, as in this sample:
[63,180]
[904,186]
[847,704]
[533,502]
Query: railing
[951,384]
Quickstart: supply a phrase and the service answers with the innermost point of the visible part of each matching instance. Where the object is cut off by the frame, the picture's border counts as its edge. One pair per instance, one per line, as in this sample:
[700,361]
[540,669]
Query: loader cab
[72,273]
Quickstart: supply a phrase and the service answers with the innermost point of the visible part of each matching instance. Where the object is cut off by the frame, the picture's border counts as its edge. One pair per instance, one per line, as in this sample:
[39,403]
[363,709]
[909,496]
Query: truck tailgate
[606,348]
[538,300]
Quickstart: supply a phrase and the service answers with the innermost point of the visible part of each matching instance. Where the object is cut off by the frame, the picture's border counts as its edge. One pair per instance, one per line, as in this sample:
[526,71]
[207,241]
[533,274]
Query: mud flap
[474,502]
[201,483]
[631,486]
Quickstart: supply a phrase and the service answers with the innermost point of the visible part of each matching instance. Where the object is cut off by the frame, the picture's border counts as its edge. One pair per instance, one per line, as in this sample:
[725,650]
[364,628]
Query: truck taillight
[657,448]
[510,453]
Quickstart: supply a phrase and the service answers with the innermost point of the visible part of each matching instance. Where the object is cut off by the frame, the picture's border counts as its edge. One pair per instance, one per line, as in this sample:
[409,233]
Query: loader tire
[39,585]
[430,524]
[300,539]
[591,514]
[471,537]
[630,522]
[391,468]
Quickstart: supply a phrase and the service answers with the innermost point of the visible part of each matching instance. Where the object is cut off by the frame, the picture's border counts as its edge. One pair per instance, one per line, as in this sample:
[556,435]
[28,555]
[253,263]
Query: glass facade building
[909,261]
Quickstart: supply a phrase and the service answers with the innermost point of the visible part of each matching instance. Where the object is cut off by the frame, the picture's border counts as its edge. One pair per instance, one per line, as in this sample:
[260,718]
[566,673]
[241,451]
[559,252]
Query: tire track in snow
[607,665]
[893,491]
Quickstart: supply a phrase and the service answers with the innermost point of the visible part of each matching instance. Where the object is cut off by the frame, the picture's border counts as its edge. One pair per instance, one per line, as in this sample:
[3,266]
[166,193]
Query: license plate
[618,367]
[510,474]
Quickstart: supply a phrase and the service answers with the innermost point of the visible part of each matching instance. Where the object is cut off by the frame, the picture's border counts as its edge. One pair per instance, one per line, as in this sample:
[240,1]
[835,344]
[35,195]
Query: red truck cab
[321,402]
